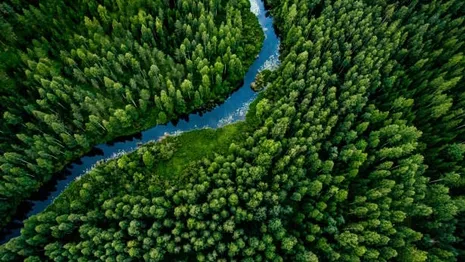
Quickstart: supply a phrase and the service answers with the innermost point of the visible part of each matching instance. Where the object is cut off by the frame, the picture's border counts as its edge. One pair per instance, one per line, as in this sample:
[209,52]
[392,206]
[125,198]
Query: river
[232,110]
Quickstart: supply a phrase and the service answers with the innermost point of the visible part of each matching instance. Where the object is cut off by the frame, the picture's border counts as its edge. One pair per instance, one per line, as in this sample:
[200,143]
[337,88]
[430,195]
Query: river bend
[232,110]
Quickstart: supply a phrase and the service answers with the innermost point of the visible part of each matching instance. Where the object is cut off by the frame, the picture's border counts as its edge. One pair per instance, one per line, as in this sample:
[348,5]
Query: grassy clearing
[194,145]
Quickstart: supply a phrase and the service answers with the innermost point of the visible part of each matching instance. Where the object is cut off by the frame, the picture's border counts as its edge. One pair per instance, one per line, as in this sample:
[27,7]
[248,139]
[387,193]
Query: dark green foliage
[353,153]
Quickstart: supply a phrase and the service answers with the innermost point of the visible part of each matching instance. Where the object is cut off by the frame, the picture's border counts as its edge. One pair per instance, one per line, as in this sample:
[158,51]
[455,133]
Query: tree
[148,159]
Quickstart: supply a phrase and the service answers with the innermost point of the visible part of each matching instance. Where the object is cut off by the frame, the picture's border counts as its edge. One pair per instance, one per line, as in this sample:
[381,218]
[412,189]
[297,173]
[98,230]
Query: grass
[194,145]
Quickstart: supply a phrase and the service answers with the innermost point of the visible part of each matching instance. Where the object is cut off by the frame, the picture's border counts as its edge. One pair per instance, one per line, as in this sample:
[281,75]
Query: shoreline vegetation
[260,80]
[181,151]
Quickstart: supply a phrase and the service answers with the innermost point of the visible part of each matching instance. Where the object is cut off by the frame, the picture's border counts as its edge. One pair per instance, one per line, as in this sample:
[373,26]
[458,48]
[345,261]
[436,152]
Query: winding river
[232,110]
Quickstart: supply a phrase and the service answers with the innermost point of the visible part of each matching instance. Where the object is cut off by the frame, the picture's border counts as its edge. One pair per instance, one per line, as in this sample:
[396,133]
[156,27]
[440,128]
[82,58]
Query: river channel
[232,110]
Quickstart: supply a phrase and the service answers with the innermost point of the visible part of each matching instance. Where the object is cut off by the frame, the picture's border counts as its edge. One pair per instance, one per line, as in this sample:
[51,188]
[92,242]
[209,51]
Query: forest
[121,67]
[354,151]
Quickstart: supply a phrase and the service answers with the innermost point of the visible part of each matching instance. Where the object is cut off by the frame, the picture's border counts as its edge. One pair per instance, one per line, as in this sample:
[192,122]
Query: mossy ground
[194,145]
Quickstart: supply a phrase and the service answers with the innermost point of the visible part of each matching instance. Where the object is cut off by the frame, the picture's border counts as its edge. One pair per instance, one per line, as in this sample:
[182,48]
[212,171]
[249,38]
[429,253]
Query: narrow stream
[232,110]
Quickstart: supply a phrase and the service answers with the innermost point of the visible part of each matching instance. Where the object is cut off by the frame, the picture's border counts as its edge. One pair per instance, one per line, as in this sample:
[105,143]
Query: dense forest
[353,152]
[84,72]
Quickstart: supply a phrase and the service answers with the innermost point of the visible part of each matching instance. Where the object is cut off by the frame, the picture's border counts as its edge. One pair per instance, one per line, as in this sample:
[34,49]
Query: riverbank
[229,111]
[195,145]
[188,149]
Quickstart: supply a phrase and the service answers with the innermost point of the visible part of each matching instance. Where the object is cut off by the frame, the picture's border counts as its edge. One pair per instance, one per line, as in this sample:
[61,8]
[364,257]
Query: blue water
[232,110]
